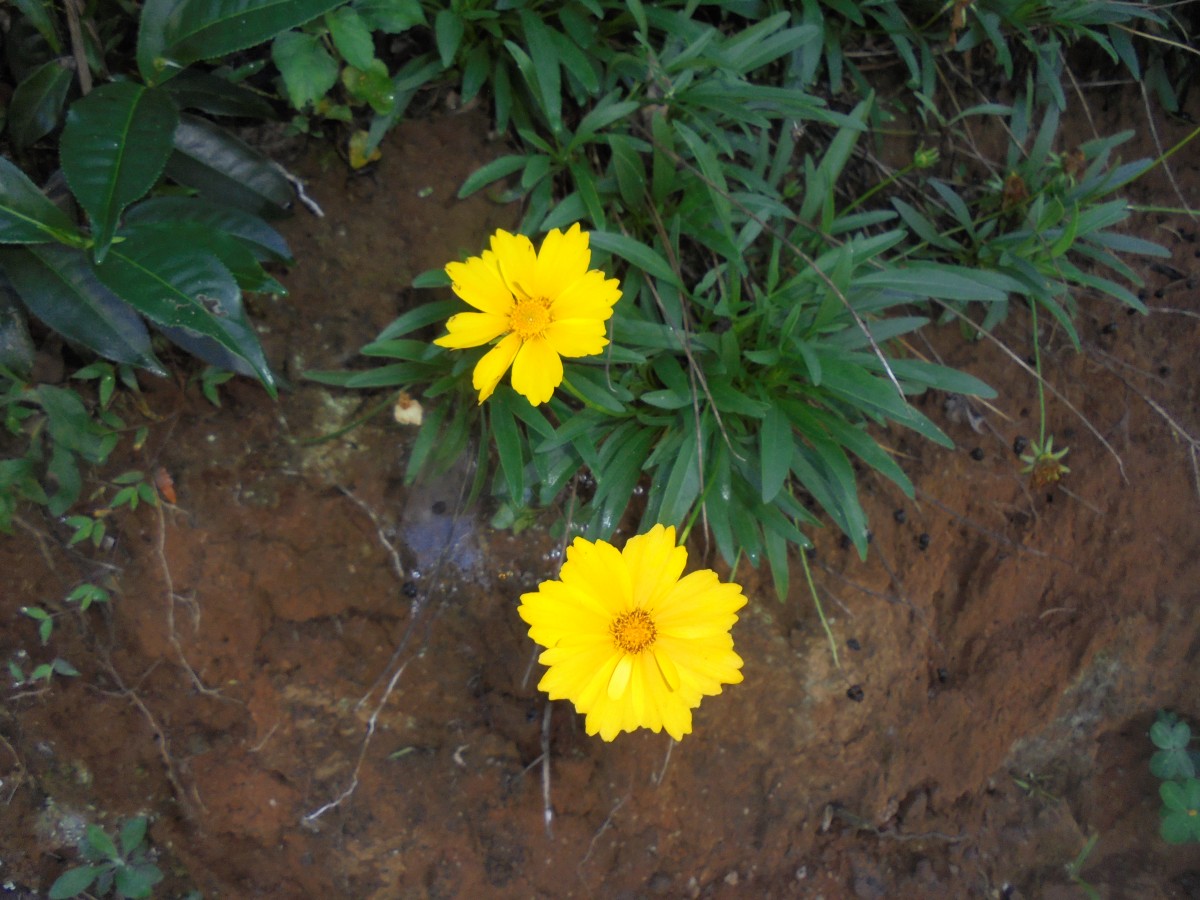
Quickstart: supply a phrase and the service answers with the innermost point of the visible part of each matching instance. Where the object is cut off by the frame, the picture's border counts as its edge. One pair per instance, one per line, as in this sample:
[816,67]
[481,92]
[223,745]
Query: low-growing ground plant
[772,281]
[126,870]
[1176,764]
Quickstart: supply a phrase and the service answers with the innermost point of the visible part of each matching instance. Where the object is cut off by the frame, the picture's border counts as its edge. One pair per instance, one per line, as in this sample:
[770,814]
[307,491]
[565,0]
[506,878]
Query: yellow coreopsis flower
[631,643]
[543,306]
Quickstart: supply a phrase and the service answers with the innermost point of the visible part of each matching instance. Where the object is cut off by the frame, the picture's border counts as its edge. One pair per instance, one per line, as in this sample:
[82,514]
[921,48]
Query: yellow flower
[631,643]
[547,305]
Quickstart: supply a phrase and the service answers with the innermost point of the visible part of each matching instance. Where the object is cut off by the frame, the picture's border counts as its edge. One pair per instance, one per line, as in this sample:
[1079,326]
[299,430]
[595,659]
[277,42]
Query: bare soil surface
[313,678]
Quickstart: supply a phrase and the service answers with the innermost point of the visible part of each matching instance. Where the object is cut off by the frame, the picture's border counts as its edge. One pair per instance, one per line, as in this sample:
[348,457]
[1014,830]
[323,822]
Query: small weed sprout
[127,869]
[1176,765]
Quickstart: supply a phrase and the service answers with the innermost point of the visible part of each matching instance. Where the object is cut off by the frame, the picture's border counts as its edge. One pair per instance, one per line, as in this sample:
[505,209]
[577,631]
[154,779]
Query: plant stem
[1037,365]
[812,589]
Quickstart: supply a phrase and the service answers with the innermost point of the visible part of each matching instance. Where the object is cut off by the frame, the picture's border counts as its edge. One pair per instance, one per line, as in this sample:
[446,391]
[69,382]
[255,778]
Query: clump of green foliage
[1176,764]
[776,271]
[127,870]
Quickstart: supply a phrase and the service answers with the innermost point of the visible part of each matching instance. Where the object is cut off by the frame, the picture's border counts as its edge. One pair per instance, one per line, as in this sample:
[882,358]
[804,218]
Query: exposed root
[186,798]
[17,779]
[172,599]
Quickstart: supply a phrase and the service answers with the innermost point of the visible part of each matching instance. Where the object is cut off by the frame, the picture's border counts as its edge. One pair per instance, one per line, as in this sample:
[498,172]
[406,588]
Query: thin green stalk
[812,589]
[1037,365]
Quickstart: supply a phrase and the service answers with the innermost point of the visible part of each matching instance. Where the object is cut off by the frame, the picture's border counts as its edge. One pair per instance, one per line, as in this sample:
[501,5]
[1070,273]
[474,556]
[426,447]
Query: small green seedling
[135,488]
[42,673]
[128,869]
[44,619]
[87,594]
[1176,765]
[1172,760]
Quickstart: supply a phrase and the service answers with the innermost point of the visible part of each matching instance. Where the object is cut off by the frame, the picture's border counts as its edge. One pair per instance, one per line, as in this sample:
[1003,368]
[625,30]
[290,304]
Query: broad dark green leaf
[307,68]
[218,96]
[27,216]
[59,286]
[179,286]
[37,103]
[265,241]
[114,147]
[176,33]
[17,352]
[225,170]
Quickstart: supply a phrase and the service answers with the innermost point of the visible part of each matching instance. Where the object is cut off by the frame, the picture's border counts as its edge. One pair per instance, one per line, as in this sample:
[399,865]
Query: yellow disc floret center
[634,631]
[529,317]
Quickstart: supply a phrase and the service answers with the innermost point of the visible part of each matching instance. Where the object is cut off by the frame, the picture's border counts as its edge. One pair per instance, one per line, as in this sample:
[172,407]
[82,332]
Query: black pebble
[1164,371]
[900,516]
[1020,444]
[923,540]
[943,675]
[977,454]
[855,693]
[408,589]
[853,644]
[438,508]
[844,542]
[1110,328]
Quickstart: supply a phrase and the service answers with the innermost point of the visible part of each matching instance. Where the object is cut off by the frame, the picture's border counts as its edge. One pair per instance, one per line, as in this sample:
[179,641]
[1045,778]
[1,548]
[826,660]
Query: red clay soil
[314,681]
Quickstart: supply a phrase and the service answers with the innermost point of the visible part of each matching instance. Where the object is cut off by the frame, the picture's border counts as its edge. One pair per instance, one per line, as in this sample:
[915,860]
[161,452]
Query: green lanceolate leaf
[218,96]
[176,33]
[226,170]
[180,286]
[37,103]
[776,447]
[74,882]
[59,286]
[26,214]
[116,142]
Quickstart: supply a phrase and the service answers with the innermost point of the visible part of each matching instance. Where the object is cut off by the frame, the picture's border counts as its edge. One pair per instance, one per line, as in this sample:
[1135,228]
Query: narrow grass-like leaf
[113,149]
[416,318]
[498,168]
[508,441]
[776,447]
[637,253]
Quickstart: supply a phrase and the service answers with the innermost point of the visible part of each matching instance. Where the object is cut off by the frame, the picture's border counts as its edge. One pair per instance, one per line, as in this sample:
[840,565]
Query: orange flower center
[634,631]
[529,317]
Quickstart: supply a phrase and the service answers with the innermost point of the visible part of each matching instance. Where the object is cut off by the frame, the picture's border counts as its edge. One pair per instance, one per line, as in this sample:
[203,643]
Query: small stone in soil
[923,541]
[439,508]
[977,454]
[900,516]
[1020,444]
[853,644]
[943,675]
[408,589]
[1164,371]
[855,693]
[1110,328]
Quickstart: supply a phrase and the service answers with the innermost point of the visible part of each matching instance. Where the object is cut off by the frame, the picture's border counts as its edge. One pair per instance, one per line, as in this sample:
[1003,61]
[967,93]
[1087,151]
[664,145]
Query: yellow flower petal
[620,677]
[655,563]
[631,643]
[472,330]
[478,282]
[537,371]
[591,296]
[562,260]
[516,260]
[491,368]
[576,337]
